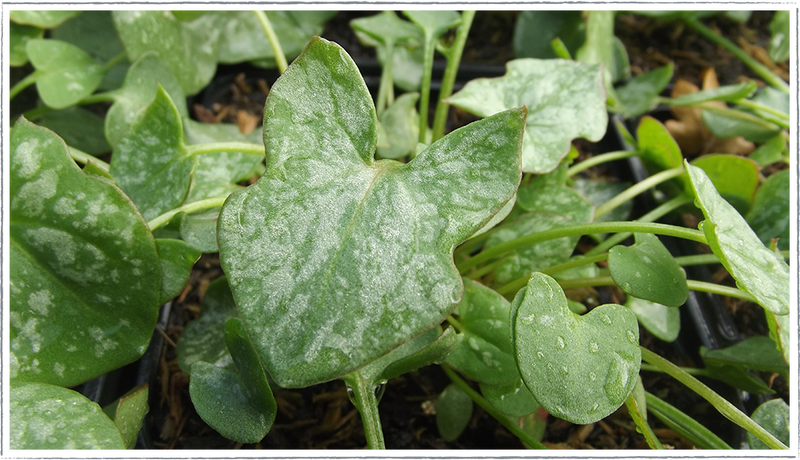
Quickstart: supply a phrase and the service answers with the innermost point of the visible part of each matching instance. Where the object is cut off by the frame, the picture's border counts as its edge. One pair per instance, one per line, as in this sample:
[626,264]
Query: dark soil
[322,417]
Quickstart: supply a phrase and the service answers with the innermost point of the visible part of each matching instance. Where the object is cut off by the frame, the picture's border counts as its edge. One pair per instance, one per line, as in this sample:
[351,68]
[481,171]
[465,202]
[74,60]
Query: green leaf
[771,212]
[402,127]
[660,320]
[66,73]
[485,353]
[734,375]
[579,368]
[190,48]
[637,408]
[177,260]
[80,128]
[780,331]
[200,230]
[659,151]
[735,178]
[326,223]
[19,36]
[511,398]
[756,269]
[138,91]
[534,30]
[93,32]
[599,45]
[206,133]
[647,270]
[558,199]
[151,163]
[598,193]
[434,352]
[735,123]
[565,100]
[728,93]
[757,353]
[780,42]
[775,417]
[243,38]
[772,151]
[774,99]
[42,19]
[128,413]
[217,174]
[385,28]
[203,339]
[684,425]
[453,412]
[641,94]
[434,23]
[47,416]
[85,275]
[187,15]
[240,406]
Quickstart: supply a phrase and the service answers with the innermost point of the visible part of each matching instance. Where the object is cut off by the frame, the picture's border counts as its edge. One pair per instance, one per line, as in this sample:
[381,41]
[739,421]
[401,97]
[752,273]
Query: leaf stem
[217,147]
[756,106]
[600,159]
[450,72]
[386,85]
[721,404]
[744,116]
[583,229]
[425,86]
[115,60]
[635,190]
[280,58]
[187,208]
[491,410]
[684,425]
[363,397]
[83,158]
[638,415]
[520,283]
[703,286]
[760,69]
[24,83]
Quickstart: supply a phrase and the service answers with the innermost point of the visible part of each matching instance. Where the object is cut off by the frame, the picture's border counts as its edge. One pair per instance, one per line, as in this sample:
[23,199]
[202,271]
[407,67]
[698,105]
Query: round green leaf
[335,258]
[565,100]
[67,74]
[19,36]
[661,321]
[735,178]
[648,271]
[190,48]
[85,275]
[485,353]
[43,19]
[47,416]
[579,368]
[659,151]
[755,268]
[512,398]
[453,411]
[240,406]
[774,416]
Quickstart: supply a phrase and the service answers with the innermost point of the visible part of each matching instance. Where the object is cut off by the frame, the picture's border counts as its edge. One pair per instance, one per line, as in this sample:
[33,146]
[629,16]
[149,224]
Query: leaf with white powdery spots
[756,269]
[66,73]
[326,223]
[85,274]
[565,100]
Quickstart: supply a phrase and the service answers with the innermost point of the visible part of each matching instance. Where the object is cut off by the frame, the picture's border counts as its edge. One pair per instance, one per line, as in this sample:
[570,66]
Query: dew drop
[527,320]
[632,336]
[561,343]
[593,347]
[626,286]
[606,320]
[594,408]
[379,390]
[616,380]
[565,370]
[540,354]
[592,376]
[352,395]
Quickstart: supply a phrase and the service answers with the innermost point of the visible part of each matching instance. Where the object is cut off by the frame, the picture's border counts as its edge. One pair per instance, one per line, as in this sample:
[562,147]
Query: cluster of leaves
[452,249]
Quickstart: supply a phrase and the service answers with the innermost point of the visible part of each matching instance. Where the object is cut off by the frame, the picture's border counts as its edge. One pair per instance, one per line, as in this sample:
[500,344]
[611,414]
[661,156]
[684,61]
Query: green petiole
[280,58]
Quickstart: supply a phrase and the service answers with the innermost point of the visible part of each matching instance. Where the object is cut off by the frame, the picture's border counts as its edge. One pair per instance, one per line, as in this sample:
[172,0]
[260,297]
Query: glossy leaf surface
[735,178]
[177,260]
[150,161]
[67,74]
[190,48]
[327,223]
[85,275]
[565,100]
[485,353]
[45,416]
[240,406]
[579,368]
[204,338]
[43,19]
[660,320]
[775,417]
[771,213]
[647,270]
[453,411]
[755,268]
[128,414]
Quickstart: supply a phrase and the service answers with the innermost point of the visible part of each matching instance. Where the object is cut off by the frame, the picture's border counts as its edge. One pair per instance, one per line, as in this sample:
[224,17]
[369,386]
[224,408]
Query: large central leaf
[333,258]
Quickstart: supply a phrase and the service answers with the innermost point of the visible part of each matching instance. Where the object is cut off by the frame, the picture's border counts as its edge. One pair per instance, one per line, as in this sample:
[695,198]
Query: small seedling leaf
[128,413]
[177,259]
[453,412]
[659,151]
[771,211]
[774,416]
[402,127]
[641,94]
[735,178]
[434,23]
[67,74]
[780,42]
[660,320]
[579,368]
[19,35]
[728,93]
[200,230]
[511,398]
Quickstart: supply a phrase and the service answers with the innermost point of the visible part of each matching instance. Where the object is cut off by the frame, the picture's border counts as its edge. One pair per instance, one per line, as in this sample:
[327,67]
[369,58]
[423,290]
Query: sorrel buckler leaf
[579,368]
[333,258]
[85,274]
[755,268]
[565,100]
